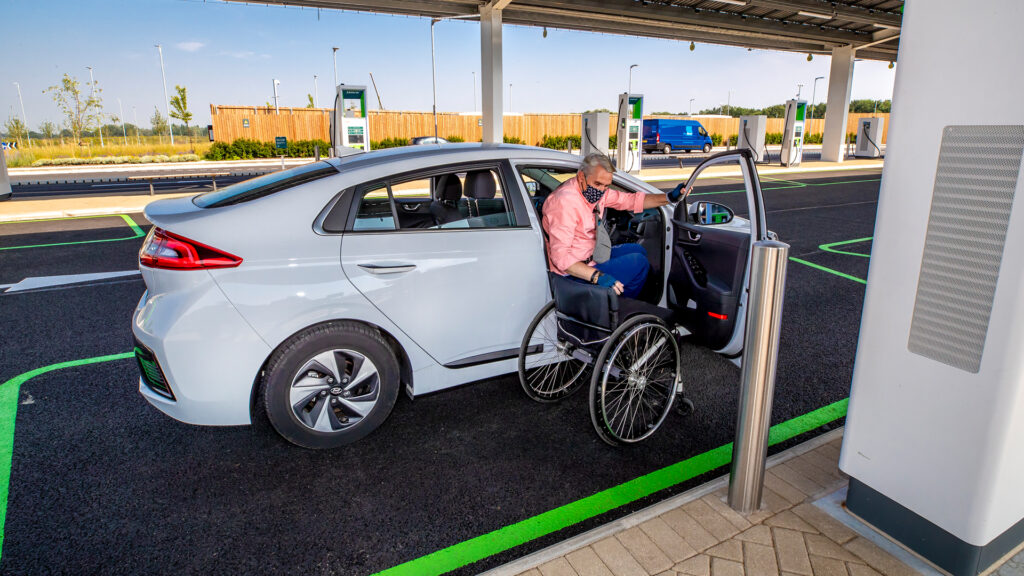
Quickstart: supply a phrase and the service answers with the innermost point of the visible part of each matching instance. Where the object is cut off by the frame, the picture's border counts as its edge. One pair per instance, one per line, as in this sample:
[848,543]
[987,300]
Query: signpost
[280,142]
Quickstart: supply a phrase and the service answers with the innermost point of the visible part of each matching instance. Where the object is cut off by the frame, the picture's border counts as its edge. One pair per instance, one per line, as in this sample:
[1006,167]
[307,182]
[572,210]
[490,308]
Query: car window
[702,131]
[540,182]
[482,203]
[463,198]
[374,211]
[264,185]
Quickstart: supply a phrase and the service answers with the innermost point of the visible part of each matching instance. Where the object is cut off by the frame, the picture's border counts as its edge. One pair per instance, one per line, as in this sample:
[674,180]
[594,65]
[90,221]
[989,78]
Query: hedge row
[244,149]
[116,160]
[563,142]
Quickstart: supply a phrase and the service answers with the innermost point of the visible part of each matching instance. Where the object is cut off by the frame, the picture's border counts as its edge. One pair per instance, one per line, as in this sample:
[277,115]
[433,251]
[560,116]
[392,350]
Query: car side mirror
[710,213]
[532,187]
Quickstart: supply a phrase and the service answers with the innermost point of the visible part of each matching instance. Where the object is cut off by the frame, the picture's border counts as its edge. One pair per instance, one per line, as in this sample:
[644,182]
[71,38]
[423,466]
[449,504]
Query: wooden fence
[262,123]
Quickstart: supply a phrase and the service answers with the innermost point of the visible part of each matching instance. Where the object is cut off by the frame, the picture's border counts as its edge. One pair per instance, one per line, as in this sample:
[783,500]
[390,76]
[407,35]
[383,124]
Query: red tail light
[657,137]
[163,249]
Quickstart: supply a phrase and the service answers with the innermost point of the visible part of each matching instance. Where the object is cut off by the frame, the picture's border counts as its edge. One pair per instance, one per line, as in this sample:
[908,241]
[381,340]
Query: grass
[90,148]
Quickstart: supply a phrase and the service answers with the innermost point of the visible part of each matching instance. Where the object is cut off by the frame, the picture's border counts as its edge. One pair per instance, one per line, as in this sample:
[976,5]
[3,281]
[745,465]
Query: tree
[310,103]
[179,104]
[80,113]
[49,129]
[15,128]
[159,123]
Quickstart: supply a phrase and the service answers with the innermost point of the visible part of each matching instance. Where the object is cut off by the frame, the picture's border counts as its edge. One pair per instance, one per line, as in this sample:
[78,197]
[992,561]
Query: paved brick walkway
[790,536]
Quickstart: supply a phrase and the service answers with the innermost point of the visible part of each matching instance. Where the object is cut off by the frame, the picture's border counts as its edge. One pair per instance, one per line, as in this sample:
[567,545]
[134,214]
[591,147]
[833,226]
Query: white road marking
[50,281]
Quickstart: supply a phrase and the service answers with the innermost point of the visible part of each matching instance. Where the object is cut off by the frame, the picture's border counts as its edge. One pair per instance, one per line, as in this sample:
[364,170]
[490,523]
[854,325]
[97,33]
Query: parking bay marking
[138,232]
[37,282]
[828,248]
[481,547]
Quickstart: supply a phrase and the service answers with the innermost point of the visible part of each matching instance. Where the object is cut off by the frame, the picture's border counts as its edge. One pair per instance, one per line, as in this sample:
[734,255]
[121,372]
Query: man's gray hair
[592,161]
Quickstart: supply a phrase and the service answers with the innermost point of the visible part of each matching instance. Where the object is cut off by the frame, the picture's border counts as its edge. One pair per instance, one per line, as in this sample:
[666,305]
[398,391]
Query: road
[101,482]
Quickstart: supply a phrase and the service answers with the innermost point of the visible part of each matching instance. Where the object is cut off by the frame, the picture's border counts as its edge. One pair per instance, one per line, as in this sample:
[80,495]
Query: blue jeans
[628,264]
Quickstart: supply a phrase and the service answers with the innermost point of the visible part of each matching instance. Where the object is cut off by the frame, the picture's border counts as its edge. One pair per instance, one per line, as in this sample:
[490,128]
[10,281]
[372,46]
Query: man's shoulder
[566,192]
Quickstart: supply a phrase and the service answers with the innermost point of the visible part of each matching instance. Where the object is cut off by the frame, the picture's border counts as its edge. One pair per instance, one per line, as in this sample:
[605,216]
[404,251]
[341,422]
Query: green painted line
[137,231]
[828,247]
[829,270]
[487,545]
[9,392]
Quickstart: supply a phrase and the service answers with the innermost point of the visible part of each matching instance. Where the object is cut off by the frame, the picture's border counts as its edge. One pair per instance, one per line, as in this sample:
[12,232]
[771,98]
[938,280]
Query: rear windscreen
[264,185]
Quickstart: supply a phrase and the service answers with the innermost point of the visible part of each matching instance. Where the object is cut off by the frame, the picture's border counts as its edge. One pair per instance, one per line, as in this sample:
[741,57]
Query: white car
[316,293]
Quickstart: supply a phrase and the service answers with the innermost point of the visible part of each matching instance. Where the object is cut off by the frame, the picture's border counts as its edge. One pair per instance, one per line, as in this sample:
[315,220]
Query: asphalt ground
[100,482]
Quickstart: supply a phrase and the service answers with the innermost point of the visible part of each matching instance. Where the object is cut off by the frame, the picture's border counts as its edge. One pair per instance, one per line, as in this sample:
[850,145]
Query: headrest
[480,185]
[450,189]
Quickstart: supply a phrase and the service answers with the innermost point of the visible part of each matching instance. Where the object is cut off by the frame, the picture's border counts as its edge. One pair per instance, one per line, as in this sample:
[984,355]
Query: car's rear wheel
[331,385]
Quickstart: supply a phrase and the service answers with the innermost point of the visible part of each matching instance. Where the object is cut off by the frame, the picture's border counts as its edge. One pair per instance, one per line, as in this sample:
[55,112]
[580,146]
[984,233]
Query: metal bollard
[5,180]
[760,353]
[316,151]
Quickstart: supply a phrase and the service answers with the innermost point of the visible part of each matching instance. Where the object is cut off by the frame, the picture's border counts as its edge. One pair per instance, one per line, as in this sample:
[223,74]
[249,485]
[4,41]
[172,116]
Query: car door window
[375,210]
[540,182]
[435,200]
[482,205]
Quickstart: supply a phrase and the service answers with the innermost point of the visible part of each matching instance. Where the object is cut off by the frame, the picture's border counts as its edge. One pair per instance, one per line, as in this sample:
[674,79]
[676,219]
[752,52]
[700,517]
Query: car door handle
[391,269]
[694,236]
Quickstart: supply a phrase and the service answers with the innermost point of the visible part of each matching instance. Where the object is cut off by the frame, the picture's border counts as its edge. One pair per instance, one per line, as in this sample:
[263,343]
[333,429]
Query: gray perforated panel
[975,183]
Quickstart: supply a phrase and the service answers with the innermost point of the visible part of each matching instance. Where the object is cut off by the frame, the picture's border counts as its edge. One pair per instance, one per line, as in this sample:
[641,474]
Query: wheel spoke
[358,407]
[364,370]
[328,363]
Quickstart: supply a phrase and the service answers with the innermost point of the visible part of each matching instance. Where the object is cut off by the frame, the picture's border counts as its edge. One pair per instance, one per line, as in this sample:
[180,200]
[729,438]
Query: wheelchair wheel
[546,370]
[634,381]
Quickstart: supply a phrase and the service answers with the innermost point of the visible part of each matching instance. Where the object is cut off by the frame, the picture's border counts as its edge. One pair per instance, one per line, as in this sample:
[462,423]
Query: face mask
[592,194]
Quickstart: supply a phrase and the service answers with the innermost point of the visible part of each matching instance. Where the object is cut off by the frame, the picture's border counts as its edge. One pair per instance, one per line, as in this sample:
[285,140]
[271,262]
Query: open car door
[709,272]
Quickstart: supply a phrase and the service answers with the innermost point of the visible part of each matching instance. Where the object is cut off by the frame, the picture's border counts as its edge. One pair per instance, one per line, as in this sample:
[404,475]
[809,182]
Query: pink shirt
[569,222]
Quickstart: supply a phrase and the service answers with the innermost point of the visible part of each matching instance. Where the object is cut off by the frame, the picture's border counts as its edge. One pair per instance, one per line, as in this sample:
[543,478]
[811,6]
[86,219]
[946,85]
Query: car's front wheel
[330,385]
[707,148]
[667,149]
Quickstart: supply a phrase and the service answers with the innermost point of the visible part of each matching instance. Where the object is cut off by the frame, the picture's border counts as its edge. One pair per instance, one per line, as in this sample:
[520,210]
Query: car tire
[330,385]
[667,149]
[707,148]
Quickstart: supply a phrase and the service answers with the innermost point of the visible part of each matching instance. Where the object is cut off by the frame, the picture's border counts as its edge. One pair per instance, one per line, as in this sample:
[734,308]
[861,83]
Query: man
[569,220]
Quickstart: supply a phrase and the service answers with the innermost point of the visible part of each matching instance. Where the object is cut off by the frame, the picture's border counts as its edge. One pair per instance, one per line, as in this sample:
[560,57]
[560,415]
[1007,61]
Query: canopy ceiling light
[733,2]
[821,15]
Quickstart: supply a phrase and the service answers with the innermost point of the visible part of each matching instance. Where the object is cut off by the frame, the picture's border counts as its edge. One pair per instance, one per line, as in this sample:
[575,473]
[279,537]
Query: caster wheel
[684,406]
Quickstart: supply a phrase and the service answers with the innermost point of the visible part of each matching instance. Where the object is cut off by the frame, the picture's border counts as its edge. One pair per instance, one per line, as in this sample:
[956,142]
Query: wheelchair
[627,349]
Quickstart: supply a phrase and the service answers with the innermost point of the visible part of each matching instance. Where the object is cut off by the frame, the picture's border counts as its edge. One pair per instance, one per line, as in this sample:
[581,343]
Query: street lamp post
[629,89]
[167,100]
[315,90]
[474,90]
[124,131]
[277,109]
[28,132]
[814,94]
[728,103]
[135,115]
[334,51]
[509,97]
[799,88]
[433,72]
[92,90]
[691,106]
[433,63]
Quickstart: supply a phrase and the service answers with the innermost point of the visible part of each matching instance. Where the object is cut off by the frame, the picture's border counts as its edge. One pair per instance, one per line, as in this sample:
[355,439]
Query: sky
[230,53]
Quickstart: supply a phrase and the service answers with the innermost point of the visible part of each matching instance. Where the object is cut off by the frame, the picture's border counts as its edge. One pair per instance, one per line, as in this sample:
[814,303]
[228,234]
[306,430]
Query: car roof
[449,153]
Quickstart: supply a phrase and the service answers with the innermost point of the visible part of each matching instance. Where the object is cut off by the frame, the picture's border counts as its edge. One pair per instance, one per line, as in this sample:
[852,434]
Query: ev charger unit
[594,133]
[752,135]
[793,133]
[934,440]
[350,125]
[629,135]
[869,138]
